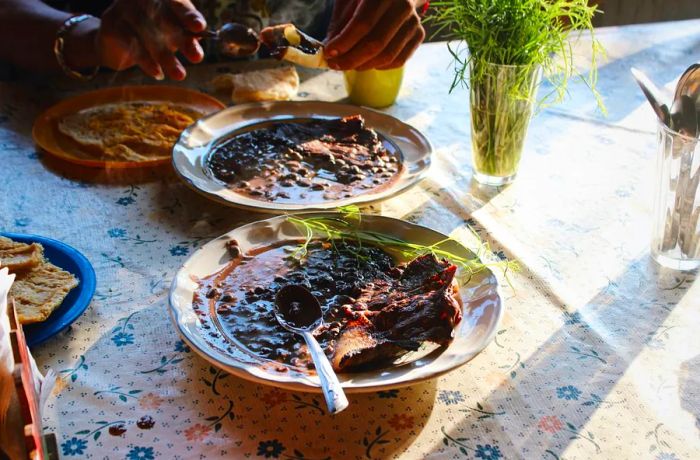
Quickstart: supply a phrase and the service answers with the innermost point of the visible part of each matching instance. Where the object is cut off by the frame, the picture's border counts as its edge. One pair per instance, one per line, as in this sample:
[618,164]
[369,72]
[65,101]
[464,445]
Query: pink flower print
[401,422]
[150,401]
[197,432]
[550,424]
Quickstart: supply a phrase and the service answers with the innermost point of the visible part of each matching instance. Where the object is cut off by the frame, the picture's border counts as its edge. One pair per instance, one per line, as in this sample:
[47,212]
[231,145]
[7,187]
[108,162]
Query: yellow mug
[373,88]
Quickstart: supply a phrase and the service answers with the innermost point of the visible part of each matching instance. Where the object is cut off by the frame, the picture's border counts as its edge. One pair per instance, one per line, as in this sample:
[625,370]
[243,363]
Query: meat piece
[392,317]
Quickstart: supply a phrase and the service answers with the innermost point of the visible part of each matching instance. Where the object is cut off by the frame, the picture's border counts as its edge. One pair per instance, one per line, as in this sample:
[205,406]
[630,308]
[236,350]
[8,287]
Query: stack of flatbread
[39,286]
[128,131]
[274,84]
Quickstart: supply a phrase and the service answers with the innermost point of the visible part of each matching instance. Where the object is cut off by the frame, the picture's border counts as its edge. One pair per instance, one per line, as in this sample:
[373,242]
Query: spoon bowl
[298,311]
[234,40]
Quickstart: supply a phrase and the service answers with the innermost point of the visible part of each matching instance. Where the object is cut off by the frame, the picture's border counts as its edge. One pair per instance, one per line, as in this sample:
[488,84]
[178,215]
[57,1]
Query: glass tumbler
[675,240]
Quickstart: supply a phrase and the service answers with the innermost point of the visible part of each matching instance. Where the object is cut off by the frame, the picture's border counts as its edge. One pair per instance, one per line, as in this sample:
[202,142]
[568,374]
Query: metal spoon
[689,87]
[684,116]
[298,311]
[653,95]
[234,39]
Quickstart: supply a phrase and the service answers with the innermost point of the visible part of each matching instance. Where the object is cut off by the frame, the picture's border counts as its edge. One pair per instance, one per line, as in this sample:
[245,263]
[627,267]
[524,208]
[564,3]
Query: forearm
[28,34]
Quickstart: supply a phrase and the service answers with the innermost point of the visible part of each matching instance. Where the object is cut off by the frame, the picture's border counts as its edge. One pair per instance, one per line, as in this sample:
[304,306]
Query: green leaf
[479,406]
[102,422]
[231,415]
[513,374]
[575,349]
[74,377]
[590,435]
[212,370]
[382,441]
[84,366]
[378,431]
[365,442]
[298,454]
[133,392]
[163,360]
[463,450]
[81,432]
[211,419]
[206,382]
[502,331]
[122,397]
[571,426]
[444,441]
[97,435]
[217,427]
[175,361]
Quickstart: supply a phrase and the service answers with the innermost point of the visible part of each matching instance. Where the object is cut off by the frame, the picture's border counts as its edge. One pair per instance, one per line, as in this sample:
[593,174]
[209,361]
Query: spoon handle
[333,392]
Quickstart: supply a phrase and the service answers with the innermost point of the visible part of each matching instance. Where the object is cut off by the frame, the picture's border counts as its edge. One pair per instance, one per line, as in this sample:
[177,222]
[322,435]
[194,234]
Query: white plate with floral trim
[192,150]
[482,308]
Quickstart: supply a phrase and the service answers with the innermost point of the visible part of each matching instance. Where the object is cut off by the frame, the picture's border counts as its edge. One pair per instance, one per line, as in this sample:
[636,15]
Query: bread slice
[39,291]
[19,256]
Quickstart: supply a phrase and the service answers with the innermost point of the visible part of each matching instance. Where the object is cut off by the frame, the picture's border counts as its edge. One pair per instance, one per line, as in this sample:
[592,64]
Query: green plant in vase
[509,44]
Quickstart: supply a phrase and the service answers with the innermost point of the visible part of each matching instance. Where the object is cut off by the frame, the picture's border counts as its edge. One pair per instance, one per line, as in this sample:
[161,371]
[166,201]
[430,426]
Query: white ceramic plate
[482,310]
[191,152]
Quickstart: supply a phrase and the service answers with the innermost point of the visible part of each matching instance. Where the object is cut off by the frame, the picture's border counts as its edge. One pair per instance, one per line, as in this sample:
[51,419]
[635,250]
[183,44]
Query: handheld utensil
[684,117]
[653,95]
[689,83]
[234,39]
[298,311]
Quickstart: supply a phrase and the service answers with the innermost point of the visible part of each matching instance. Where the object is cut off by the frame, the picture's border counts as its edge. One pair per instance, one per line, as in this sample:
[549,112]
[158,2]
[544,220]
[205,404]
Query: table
[598,355]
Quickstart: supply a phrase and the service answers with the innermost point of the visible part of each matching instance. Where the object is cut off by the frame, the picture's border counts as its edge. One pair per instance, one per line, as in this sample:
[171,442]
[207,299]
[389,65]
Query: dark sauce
[306,162]
[246,290]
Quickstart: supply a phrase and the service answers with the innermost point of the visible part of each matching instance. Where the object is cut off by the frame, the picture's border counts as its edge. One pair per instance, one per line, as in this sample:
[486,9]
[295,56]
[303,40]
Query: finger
[379,39]
[139,54]
[187,15]
[158,49]
[365,17]
[395,47]
[408,50]
[192,50]
[342,12]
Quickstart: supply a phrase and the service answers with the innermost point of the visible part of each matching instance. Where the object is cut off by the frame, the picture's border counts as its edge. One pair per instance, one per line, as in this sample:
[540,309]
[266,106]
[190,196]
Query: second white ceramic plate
[481,299]
[192,149]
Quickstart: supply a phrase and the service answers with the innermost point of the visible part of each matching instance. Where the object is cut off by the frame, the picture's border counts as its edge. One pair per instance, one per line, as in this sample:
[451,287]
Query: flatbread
[19,256]
[128,131]
[275,84]
[39,291]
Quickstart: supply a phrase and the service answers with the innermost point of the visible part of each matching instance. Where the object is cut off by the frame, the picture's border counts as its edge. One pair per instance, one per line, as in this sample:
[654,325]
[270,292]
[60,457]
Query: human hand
[147,33]
[370,34]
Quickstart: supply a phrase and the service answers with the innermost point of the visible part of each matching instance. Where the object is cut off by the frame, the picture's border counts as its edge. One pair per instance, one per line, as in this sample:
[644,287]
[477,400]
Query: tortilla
[19,256]
[275,84]
[39,291]
[128,131]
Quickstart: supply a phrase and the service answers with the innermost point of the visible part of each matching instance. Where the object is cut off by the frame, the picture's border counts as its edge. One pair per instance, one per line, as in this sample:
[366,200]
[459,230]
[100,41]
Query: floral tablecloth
[598,355]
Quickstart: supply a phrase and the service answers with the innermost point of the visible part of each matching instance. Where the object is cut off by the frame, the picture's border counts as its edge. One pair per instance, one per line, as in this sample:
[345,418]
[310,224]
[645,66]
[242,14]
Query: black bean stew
[306,161]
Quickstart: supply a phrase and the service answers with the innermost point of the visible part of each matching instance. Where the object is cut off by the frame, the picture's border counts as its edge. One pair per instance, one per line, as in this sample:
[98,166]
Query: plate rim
[307,386]
[269,207]
[60,154]
[88,282]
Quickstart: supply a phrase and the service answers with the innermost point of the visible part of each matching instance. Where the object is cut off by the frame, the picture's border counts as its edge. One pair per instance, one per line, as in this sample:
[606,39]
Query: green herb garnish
[530,33]
[345,228]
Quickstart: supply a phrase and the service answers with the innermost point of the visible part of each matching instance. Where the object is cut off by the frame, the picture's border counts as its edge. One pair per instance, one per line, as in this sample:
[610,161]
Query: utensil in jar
[653,95]
[689,87]
[234,39]
[298,311]
[684,117]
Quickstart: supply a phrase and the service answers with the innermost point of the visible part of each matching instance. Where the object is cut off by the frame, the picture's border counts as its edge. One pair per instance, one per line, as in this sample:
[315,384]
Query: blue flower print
[568,392]
[179,251]
[122,339]
[572,318]
[269,449]
[450,397]
[182,347]
[388,394]
[74,446]
[125,201]
[488,452]
[666,456]
[116,233]
[140,453]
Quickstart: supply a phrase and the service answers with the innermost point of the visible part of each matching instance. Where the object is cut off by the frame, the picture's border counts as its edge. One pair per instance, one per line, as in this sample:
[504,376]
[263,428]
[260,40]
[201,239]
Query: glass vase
[502,100]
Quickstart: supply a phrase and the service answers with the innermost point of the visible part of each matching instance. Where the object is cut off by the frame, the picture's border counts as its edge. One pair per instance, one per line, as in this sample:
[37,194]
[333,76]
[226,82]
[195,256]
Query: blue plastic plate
[76,301]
